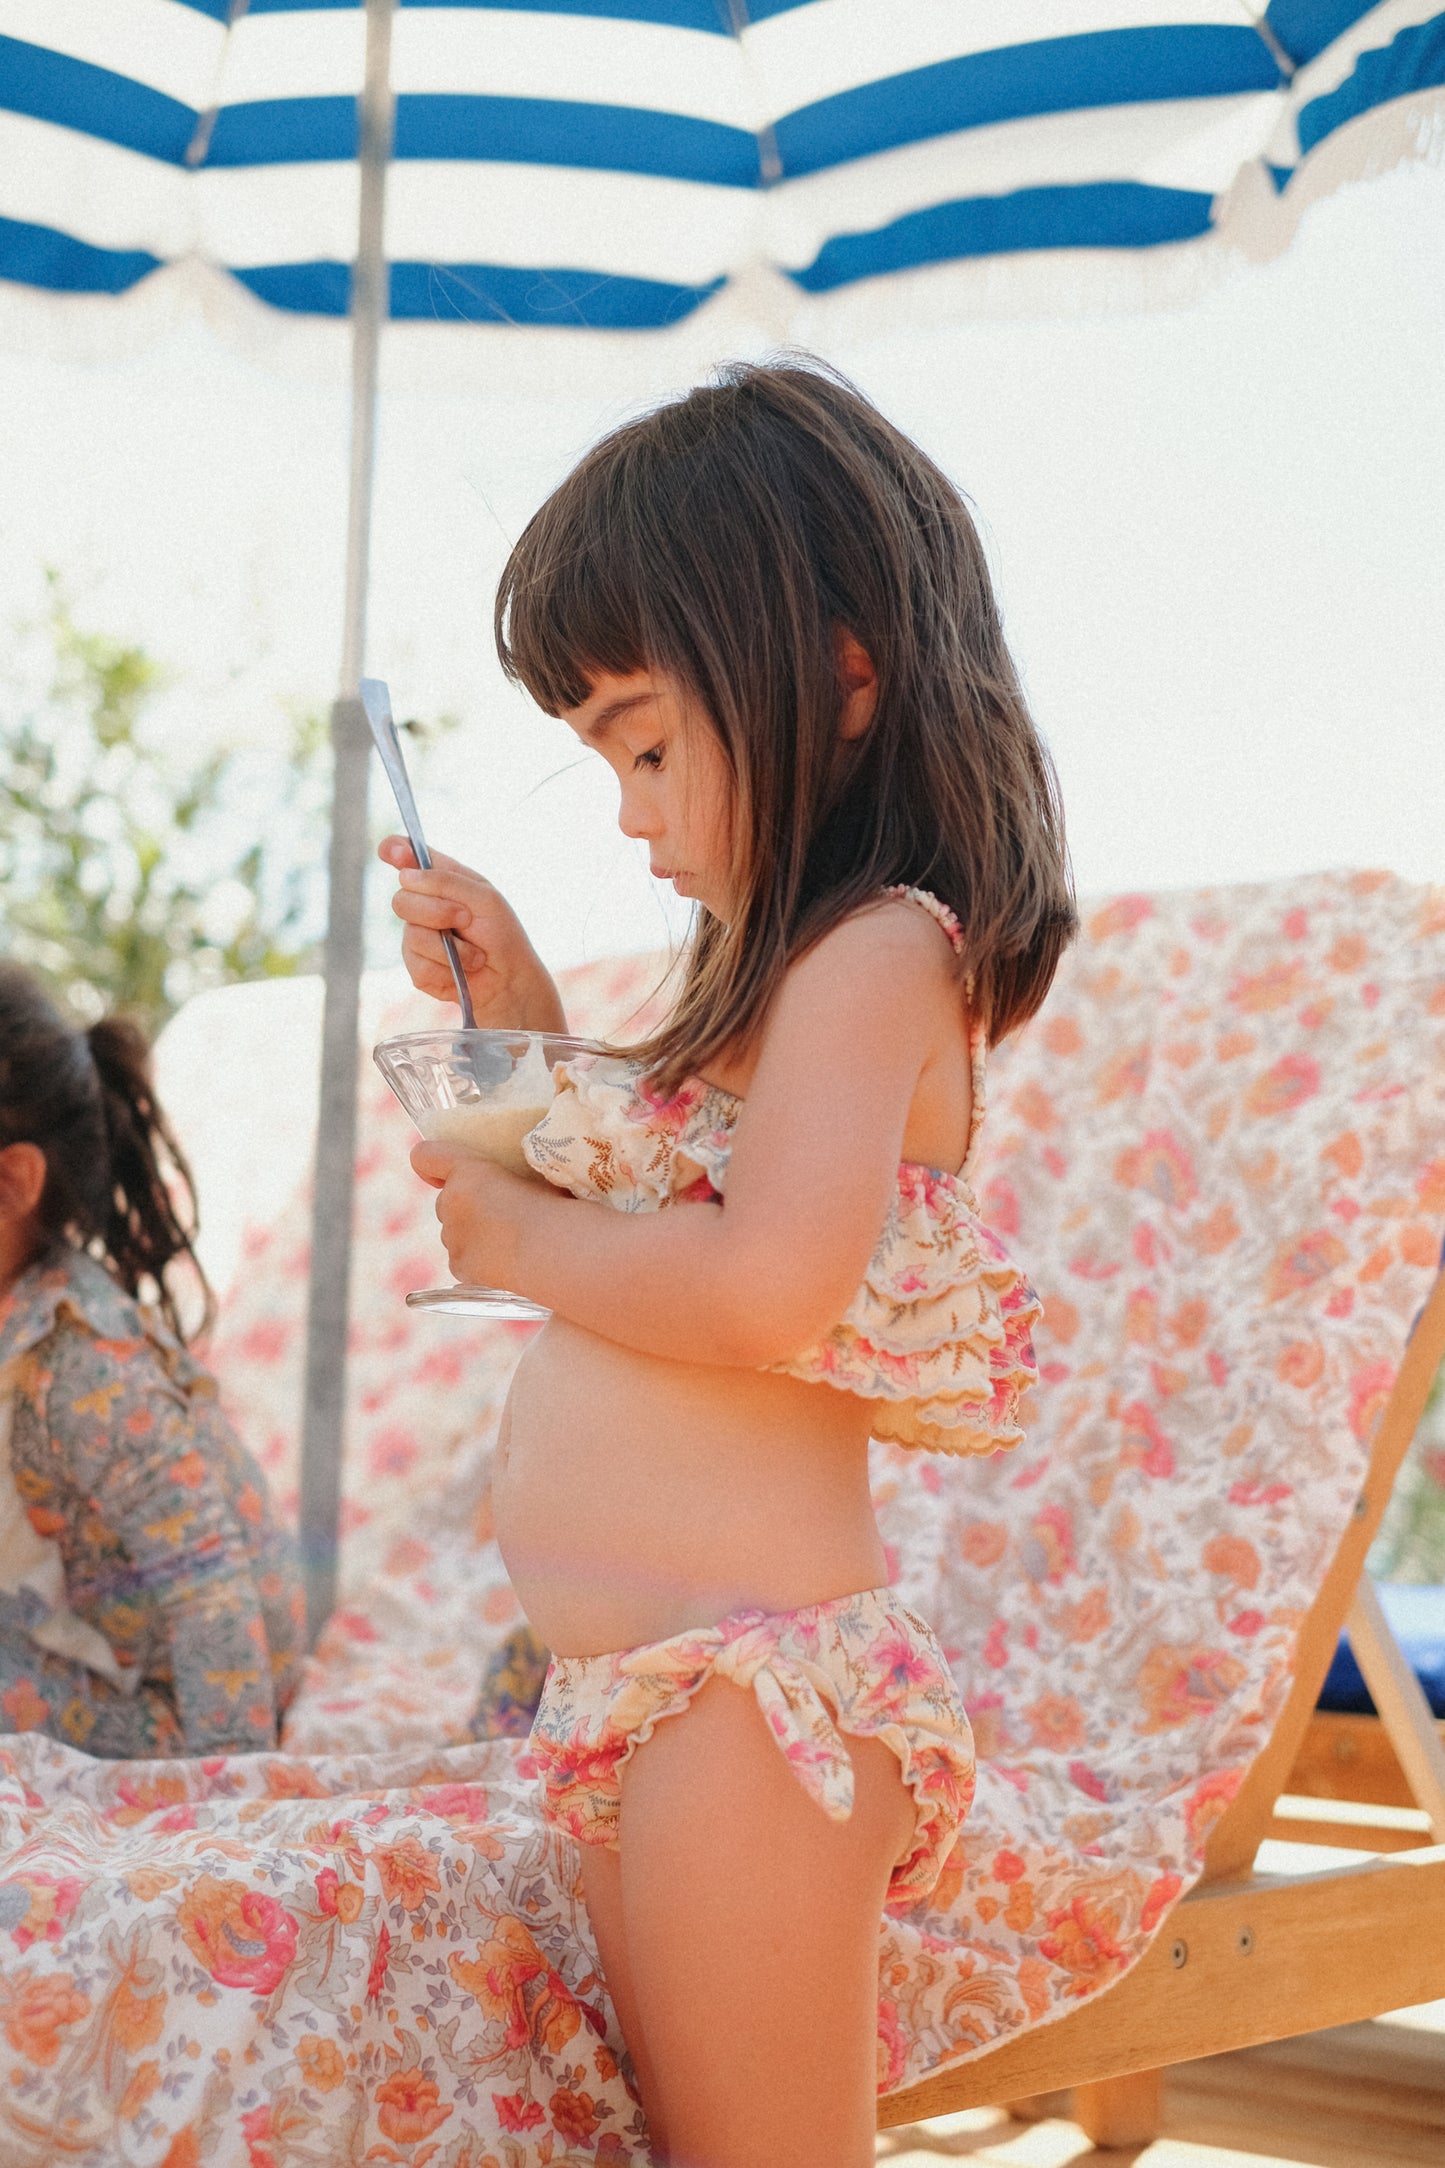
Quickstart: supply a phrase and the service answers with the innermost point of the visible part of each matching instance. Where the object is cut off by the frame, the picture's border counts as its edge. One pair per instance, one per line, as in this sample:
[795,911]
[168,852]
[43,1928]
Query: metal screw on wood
[1179,1954]
[1244,1941]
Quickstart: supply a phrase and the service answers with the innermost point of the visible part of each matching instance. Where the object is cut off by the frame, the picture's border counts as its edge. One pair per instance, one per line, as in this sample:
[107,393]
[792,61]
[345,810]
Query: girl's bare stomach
[636,1497]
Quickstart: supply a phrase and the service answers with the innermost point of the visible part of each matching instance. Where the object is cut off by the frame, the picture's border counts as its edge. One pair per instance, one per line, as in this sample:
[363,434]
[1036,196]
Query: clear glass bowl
[480,1091]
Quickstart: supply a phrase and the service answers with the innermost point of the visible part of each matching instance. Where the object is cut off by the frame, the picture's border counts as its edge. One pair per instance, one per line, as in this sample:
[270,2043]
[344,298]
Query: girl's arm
[511,987]
[163,1536]
[814,1161]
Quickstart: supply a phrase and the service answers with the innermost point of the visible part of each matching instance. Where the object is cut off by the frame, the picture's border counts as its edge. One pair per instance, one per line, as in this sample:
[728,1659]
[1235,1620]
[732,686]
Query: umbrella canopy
[613,164]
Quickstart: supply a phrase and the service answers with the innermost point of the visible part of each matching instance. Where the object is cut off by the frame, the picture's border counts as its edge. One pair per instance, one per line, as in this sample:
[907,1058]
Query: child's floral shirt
[121,1455]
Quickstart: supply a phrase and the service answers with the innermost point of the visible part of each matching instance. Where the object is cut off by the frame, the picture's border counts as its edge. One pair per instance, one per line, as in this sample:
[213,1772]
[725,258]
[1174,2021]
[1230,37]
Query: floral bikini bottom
[860,1664]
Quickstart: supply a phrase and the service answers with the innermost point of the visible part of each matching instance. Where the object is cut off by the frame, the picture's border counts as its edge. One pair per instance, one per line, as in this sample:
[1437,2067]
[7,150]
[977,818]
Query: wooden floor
[1362,2096]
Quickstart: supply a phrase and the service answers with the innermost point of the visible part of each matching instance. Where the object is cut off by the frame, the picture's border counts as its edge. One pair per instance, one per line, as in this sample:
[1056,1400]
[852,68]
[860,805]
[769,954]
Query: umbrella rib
[770,163]
[1269,37]
[199,146]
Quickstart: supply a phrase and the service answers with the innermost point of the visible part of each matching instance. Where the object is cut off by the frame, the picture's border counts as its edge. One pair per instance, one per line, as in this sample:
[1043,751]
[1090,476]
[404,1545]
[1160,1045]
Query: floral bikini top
[938,1337]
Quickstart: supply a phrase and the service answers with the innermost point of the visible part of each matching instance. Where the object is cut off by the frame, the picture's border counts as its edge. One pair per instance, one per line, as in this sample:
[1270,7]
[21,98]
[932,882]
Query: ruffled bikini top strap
[977,1037]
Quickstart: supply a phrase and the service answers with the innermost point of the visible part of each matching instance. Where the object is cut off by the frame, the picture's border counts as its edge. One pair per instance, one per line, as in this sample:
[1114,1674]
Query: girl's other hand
[479,1207]
[511,988]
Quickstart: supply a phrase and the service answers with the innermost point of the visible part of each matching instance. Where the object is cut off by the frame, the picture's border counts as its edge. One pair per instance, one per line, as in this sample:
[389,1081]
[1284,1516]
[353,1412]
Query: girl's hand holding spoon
[511,988]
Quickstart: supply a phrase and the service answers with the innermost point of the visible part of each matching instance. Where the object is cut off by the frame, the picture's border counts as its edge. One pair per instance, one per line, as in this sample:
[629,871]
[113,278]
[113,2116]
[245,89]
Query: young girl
[149,1602]
[771,616]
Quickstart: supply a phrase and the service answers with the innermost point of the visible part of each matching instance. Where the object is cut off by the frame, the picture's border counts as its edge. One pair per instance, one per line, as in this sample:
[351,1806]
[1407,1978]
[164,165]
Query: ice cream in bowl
[479,1091]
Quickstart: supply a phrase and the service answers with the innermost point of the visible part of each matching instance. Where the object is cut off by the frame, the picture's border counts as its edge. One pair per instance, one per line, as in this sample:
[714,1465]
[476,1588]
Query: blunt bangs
[566,609]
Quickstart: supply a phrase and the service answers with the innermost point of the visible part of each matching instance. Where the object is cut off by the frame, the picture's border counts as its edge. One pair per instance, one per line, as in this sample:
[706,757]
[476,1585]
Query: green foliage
[126,880]
[1411,1543]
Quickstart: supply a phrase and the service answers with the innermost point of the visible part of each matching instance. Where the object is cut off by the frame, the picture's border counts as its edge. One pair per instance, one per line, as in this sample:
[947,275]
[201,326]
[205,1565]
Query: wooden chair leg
[1121,2111]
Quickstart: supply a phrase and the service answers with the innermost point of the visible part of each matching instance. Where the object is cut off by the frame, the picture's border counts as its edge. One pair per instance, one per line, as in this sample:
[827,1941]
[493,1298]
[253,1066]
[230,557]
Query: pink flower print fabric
[860,1664]
[939,1334]
[274,1958]
[610,1137]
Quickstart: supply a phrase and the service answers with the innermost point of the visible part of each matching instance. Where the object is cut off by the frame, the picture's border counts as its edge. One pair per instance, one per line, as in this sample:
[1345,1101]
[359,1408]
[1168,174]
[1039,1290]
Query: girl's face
[677,793]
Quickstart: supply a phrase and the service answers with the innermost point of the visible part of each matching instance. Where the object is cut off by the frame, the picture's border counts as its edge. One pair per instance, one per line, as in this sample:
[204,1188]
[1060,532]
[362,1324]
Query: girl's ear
[860,684]
[22,1182]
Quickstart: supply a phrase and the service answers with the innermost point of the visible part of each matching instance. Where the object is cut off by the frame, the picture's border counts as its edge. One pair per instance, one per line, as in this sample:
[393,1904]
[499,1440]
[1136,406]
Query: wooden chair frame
[1247,1957]
[1348,1787]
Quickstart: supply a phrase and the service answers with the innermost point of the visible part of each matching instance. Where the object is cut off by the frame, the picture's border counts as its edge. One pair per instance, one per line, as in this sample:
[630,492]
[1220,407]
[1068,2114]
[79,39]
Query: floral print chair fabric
[1221,1151]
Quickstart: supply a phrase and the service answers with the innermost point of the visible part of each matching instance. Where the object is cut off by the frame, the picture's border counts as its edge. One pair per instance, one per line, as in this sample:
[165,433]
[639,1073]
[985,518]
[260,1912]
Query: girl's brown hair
[85,1098]
[727,539]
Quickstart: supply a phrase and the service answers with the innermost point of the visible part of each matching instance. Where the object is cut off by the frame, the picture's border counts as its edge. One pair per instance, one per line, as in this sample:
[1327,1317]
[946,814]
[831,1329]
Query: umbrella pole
[324,1410]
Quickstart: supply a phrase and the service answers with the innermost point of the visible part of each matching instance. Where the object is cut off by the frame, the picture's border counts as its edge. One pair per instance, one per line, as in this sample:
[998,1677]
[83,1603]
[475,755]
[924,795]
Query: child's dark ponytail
[144,1229]
[85,1098]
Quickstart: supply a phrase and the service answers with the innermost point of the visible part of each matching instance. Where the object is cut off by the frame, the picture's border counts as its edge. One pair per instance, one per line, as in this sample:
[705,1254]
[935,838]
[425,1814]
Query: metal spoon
[376,700]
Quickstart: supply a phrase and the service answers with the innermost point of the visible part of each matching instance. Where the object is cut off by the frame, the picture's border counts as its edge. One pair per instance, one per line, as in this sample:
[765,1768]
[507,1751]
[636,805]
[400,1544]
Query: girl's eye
[650,759]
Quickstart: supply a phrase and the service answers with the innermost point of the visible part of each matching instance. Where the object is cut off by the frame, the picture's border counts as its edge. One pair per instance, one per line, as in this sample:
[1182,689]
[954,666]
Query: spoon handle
[376,700]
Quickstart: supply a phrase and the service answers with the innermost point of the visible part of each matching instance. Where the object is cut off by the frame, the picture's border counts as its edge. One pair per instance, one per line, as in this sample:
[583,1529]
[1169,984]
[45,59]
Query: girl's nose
[635,819]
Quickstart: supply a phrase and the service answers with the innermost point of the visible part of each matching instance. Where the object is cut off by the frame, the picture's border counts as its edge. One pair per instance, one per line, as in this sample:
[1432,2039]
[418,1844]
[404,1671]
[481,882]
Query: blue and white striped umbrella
[614,163]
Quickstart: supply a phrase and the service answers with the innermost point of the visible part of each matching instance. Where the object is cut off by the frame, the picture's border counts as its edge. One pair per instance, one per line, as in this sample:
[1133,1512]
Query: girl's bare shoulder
[880,985]
[890,943]
[880,988]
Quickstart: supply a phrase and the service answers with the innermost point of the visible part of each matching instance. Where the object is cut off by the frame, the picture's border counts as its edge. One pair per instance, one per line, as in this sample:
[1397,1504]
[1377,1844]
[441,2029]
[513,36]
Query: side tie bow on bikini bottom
[861,1664]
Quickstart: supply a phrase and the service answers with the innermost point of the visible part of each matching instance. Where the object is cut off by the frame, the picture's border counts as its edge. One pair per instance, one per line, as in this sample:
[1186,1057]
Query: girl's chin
[688,887]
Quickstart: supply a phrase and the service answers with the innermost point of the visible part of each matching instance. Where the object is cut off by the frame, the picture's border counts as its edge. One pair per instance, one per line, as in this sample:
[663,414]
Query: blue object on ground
[1417,1620]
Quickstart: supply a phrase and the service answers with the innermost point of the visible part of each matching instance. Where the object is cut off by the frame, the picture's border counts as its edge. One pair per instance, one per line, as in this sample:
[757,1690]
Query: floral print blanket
[1220,1153]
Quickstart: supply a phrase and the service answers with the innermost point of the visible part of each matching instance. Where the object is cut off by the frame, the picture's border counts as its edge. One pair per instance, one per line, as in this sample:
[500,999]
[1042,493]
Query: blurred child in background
[150,1602]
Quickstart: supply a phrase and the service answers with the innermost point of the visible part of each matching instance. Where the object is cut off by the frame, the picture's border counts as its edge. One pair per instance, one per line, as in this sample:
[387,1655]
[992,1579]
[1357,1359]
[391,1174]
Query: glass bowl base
[477,1302]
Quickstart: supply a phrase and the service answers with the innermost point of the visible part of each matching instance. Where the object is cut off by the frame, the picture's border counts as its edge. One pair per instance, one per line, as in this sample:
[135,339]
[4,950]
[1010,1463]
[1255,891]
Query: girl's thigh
[750,1923]
[602,1885]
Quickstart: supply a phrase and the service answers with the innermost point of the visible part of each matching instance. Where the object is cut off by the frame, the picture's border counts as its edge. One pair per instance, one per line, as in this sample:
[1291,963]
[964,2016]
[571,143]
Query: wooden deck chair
[1249,1957]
